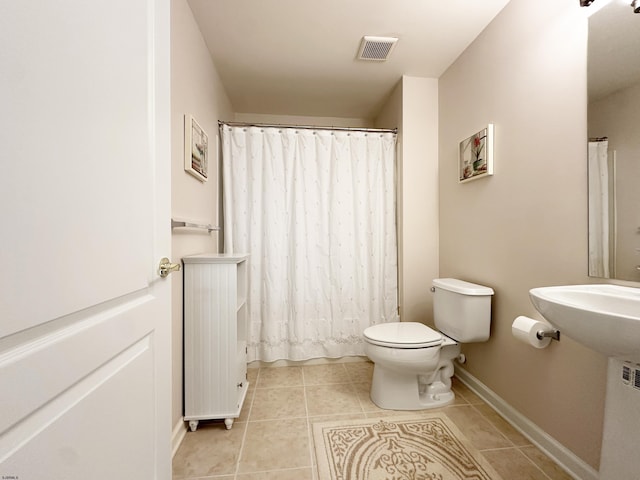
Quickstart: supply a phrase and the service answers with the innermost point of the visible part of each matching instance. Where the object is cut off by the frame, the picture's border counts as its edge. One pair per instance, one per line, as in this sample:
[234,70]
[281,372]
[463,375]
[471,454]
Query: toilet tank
[462,310]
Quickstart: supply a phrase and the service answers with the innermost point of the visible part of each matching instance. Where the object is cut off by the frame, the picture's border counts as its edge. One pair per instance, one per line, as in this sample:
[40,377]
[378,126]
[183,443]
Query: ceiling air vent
[376,48]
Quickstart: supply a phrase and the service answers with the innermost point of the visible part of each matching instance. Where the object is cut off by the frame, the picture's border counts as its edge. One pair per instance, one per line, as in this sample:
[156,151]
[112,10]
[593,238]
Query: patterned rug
[429,447]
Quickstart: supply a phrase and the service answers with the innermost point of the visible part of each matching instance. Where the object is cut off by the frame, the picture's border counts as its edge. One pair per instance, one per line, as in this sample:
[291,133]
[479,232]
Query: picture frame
[196,149]
[476,155]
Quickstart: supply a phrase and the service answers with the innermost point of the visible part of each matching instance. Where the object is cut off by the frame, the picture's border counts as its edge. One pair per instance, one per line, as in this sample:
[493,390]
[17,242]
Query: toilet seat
[403,335]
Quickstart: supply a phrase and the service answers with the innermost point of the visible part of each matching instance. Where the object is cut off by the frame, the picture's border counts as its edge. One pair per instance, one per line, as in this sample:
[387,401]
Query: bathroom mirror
[614,142]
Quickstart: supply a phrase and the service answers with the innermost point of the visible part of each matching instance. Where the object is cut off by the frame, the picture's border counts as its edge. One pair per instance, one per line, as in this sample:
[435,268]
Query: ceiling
[298,57]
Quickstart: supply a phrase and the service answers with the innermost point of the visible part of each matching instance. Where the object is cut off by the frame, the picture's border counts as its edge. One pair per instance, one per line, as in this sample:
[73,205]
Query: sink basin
[605,318]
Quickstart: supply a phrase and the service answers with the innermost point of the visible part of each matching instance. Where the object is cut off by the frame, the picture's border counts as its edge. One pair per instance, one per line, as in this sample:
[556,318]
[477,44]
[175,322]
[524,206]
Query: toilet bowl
[409,375]
[413,363]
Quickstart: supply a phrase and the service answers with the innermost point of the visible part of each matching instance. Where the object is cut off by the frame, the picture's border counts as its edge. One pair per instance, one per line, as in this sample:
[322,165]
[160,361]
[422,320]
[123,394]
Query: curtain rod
[308,127]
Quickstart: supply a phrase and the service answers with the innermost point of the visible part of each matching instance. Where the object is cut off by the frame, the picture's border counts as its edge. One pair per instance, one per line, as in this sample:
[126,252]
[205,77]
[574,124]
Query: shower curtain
[599,209]
[315,209]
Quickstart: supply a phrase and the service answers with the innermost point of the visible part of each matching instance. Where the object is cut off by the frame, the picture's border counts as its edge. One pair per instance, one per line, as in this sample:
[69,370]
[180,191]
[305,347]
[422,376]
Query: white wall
[302,120]
[527,225]
[412,108]
[195,89]
[419,190]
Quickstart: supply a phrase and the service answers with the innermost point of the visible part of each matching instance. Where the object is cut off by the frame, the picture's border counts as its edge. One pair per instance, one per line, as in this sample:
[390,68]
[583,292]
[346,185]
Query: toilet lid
[403,335]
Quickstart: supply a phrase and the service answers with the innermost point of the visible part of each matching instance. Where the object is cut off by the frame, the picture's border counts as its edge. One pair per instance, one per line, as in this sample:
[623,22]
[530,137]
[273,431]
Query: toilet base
[393,390]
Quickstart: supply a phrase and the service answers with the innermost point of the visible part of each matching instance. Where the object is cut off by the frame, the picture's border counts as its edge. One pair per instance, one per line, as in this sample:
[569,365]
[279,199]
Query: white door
[84,199]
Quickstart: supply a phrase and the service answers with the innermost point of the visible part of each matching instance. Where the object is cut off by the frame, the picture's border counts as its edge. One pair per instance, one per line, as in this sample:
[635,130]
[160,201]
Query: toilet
[413,363]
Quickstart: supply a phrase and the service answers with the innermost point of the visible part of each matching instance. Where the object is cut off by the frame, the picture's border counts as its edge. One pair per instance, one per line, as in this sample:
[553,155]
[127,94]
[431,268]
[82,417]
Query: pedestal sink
[605,318]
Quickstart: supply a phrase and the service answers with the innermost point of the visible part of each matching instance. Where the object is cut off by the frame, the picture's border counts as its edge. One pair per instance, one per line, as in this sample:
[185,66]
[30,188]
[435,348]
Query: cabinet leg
[228,422]
[193,424]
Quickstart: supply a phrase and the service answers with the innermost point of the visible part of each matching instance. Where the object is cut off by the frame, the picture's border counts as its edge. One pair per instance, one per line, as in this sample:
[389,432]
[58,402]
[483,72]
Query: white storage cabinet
[215,337]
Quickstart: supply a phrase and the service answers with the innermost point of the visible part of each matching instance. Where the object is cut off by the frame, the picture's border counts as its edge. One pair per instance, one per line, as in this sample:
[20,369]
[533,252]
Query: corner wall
[526,226]
[412,108]
[195,89]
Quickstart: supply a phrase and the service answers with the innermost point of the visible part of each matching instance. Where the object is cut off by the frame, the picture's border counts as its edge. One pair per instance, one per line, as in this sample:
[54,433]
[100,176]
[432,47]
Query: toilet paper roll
[526,329]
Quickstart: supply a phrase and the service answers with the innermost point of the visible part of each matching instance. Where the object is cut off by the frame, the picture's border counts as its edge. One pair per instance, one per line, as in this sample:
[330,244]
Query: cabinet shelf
[215,318]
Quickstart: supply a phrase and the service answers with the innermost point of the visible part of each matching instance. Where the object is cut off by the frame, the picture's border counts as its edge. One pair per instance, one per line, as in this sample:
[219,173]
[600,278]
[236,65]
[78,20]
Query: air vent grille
[376,48]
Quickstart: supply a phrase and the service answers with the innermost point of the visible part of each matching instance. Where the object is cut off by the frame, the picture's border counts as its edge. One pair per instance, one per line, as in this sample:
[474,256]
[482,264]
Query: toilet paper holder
[552,334]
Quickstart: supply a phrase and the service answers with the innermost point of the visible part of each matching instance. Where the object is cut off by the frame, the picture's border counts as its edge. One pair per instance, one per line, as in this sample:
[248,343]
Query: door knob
[166,267]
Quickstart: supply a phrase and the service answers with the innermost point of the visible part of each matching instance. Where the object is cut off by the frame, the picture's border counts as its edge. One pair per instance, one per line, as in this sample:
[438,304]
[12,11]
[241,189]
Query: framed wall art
[196,149]
[476,155]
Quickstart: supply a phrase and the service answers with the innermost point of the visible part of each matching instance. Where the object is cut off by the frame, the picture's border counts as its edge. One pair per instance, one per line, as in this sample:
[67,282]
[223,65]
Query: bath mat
[428,447]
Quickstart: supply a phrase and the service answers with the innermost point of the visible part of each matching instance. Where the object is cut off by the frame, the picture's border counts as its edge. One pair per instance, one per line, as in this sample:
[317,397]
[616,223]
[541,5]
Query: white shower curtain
[315,209]
[599,209]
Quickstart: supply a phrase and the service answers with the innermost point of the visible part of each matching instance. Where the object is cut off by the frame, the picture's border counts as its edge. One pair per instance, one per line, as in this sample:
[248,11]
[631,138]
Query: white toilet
[414,363]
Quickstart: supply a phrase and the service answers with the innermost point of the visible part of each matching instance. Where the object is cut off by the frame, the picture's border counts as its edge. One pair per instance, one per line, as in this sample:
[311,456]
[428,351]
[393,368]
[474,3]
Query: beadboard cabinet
[215,337]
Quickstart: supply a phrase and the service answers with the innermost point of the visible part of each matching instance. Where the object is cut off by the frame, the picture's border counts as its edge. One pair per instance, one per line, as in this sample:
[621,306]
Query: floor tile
[330,399]
[274,403]
[274,445]
[363,391]
[246,406]
[548,466]
[211,449]
[293,474]
[210,477]
[272,377]
[325,374]
[272,437]
[252,376]
[502,425]
[458,399]
[337,417]
[460,389]
[481,433]
[360,372]
[510,463]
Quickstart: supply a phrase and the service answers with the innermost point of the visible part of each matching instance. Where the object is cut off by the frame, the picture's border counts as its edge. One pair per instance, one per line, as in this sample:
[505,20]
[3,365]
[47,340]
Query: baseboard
[564,457]
[179,431]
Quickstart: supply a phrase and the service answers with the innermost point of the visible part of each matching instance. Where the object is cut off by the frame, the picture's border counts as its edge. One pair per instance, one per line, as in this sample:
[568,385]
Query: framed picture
[476,155]
[196,149]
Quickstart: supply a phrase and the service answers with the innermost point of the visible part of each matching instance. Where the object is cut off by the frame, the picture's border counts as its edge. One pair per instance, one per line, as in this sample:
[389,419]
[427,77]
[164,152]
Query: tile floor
[272,438]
